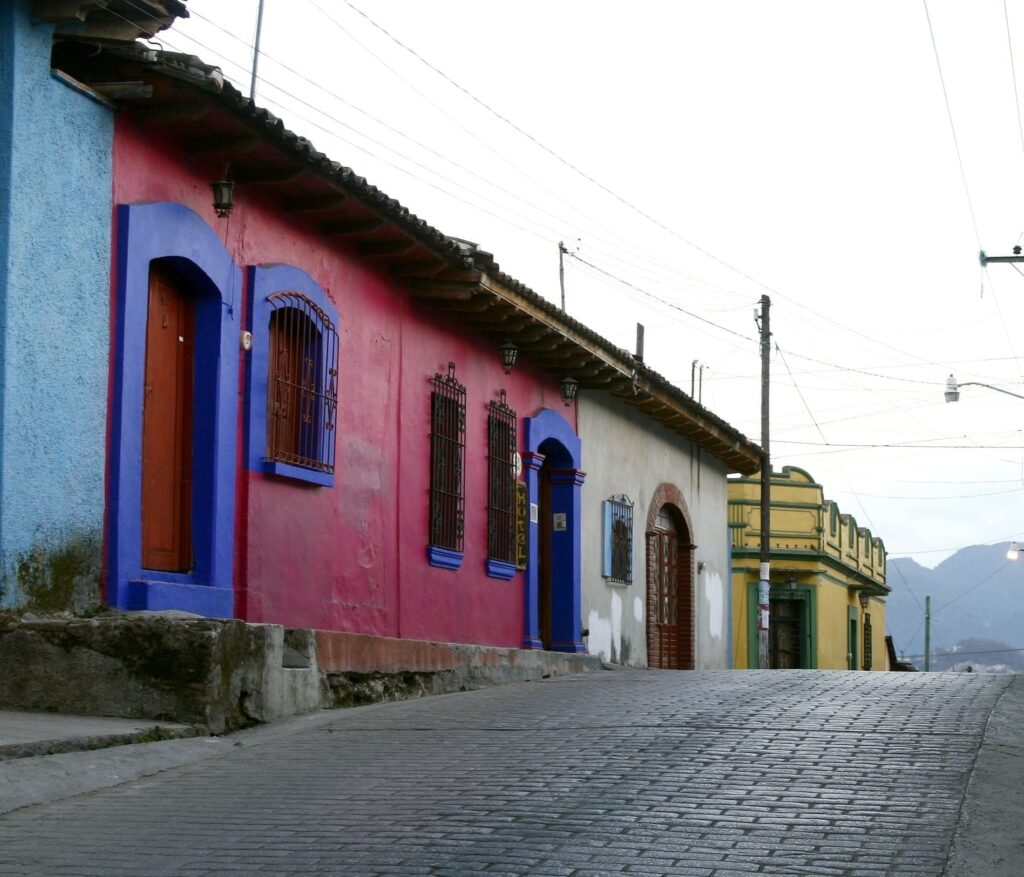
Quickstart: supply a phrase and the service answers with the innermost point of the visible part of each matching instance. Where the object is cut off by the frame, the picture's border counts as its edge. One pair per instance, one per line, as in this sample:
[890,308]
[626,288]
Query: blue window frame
[293,376]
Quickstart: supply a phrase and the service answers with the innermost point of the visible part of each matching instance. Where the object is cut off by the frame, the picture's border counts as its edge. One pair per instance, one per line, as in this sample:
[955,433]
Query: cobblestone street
[713,774]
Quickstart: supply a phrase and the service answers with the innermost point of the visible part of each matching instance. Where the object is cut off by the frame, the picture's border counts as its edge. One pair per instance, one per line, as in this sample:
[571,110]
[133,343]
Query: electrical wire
[952,127]
[975,586]
[589,178]
[807,407]
[939,653]
[1013,74]
[614,243]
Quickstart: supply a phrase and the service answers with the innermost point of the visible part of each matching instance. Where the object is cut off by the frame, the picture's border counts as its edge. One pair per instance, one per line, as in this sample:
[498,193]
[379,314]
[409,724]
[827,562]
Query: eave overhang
[186,102]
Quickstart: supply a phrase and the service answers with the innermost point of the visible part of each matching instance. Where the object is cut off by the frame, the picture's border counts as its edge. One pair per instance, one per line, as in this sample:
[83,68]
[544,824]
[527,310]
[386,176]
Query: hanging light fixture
[223,197]
[509,354]
[569,386]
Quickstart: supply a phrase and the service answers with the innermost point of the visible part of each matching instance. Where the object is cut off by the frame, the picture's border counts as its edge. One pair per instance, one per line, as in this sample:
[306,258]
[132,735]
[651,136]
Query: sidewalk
[46,757]
[989,839]
[24,734]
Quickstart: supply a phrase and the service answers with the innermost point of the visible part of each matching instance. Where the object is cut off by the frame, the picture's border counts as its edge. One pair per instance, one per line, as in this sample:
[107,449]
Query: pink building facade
[272,542]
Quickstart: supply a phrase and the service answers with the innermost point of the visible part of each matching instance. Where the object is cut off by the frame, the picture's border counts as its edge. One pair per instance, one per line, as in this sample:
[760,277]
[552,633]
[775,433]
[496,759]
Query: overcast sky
[734,149]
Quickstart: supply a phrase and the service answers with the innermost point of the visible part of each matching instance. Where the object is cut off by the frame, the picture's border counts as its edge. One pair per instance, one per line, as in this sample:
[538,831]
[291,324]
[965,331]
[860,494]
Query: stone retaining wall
[223,675]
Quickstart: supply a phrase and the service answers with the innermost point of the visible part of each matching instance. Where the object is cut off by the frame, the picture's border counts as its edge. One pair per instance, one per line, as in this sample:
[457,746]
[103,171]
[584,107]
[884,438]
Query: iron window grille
[867,641]
[618,539]
[447,461]
[501,479]
[303,383]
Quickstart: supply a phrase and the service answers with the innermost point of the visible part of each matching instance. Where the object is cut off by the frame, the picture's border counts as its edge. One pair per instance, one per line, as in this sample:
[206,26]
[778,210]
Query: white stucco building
[655,541]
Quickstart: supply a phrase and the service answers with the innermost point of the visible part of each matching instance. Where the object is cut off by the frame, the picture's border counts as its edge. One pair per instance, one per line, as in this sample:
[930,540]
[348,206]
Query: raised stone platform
[222,675]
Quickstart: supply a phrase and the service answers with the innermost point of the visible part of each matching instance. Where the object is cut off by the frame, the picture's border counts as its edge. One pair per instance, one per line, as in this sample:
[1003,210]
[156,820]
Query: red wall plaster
[353,557]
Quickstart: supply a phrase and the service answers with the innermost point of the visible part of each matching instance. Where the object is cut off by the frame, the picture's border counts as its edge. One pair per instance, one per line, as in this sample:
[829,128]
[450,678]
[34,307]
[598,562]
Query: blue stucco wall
[55,239]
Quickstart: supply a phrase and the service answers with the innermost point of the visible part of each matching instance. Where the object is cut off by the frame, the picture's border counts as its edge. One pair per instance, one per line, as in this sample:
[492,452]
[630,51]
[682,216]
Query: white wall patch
[716,604]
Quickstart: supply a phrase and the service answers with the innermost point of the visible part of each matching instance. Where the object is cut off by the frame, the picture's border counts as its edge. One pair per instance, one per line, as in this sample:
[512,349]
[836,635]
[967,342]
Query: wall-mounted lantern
[569,386]
[509,354]
[223,197]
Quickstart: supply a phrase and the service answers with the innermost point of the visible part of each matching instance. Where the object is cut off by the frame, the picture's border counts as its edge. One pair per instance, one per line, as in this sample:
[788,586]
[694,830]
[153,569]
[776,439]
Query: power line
[898,445]
[807,407]
[963,496]
[610,242]
[555,155]
[957,548]
[1013,73]
[660,299]
[940,653]
[952,127]
[975,586]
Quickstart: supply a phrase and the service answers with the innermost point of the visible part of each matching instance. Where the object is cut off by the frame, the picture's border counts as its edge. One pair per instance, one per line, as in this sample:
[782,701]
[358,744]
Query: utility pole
[561,270]
[927,634]
[764,571]
[256,52]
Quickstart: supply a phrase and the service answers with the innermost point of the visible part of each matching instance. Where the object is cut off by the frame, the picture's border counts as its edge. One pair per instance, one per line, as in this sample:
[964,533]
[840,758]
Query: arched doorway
[670,598]
[553,479]
[174,413]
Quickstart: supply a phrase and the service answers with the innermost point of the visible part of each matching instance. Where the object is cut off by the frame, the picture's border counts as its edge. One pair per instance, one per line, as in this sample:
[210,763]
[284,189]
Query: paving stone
[717,774]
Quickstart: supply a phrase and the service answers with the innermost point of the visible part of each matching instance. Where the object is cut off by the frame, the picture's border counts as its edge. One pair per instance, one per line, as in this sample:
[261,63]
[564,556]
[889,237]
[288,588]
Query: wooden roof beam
[348,227]
[386,249]
[268,176]
[222,144]
[313,203]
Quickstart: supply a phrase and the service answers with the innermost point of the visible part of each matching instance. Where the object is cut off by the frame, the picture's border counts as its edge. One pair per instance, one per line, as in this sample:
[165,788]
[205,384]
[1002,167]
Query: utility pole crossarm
[1016,257]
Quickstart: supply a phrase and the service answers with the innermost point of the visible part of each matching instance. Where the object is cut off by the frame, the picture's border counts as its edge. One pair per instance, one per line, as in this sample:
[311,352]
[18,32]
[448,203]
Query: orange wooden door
[167,426]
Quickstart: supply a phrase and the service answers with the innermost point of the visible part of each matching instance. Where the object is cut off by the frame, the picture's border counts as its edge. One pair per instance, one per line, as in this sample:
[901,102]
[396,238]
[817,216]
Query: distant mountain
[977,600]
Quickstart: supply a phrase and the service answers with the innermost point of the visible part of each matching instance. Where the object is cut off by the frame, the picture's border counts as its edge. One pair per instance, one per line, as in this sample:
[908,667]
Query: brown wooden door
[663,641]
[546,525]
[167,426]
[786,634]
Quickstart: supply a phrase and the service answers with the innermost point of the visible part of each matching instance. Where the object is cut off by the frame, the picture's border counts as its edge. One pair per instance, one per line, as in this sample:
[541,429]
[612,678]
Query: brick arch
[670,646]
[668,494]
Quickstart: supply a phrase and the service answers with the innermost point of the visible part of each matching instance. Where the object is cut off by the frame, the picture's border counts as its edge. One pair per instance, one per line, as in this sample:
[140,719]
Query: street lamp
[952,393]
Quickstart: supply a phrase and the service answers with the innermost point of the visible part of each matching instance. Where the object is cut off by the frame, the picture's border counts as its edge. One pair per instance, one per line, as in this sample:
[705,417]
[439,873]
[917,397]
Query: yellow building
[828,590]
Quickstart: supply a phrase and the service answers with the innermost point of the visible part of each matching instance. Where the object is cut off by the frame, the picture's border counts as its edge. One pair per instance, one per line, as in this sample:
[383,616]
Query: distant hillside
[977,594]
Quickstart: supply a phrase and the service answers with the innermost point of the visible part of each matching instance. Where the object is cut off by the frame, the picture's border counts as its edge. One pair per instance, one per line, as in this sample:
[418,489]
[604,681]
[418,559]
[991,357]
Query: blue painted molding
[172,232]
[265,281]
[445,558]
[500,569]
[551,443]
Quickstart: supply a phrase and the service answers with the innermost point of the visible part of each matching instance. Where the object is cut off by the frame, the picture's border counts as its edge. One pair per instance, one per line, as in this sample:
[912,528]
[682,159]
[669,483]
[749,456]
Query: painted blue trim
[445,558]
[146,232]
[265,281]
[550,441]
[500,569]
[203,600]
[297,473]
